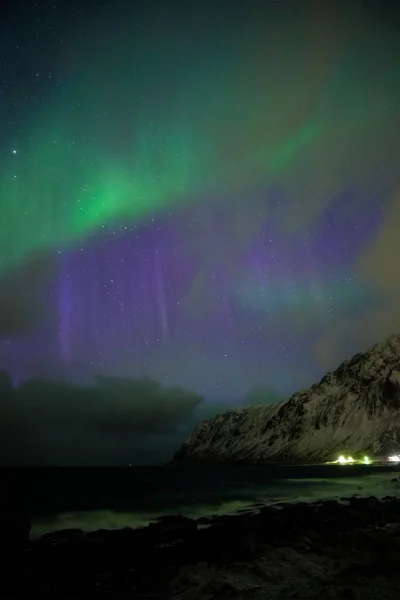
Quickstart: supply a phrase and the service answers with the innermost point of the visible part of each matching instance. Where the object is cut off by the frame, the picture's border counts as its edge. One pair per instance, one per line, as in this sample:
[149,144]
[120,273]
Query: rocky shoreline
[348,549]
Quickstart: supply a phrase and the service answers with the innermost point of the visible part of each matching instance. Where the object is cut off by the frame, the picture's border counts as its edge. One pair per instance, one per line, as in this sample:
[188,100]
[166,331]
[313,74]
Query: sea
[113,498]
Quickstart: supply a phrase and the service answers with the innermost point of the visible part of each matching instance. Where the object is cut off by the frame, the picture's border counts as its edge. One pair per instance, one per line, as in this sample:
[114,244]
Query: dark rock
[369,503]
[14,531]
[62,535]
[174,520]
[14,538]
[204,521]
[348,542]
[171,528]
[126,534]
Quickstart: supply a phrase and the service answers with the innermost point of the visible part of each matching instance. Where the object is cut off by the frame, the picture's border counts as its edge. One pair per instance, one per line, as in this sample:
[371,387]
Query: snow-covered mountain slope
[353,410]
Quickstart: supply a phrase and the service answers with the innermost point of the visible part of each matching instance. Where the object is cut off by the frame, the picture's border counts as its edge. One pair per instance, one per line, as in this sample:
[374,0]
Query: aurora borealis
[204,193]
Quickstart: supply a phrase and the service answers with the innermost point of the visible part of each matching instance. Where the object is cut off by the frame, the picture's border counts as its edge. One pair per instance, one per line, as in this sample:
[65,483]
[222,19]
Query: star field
[212,190]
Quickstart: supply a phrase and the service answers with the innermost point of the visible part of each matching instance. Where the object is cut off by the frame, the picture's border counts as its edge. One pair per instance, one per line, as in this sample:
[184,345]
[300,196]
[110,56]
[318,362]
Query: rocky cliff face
[354,410]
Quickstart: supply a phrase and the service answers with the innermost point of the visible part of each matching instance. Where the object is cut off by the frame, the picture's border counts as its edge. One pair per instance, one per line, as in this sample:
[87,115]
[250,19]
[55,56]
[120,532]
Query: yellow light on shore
[342,460]
[394,458]
[349,460]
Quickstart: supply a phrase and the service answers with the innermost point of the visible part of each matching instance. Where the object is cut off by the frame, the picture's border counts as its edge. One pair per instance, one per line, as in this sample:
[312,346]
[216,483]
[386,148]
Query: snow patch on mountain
[354,409]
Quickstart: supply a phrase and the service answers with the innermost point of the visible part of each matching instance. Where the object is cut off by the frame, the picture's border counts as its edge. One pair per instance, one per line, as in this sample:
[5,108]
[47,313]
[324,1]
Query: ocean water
[94,498]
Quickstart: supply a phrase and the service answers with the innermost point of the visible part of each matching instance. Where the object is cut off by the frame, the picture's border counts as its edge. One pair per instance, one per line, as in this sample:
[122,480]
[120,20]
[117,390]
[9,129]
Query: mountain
[354,410]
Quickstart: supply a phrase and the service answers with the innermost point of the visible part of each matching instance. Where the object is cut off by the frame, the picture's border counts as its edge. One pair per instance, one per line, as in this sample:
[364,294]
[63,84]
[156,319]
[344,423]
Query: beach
[275,539]
[335,549]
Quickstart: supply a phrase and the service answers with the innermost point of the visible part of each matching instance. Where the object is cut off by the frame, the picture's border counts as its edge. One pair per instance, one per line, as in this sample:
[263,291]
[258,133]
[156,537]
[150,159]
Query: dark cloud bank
[114,422]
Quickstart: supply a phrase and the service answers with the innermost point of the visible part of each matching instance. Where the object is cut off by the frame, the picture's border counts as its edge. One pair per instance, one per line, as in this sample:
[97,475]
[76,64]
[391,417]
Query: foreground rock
[353,409]
[324,550]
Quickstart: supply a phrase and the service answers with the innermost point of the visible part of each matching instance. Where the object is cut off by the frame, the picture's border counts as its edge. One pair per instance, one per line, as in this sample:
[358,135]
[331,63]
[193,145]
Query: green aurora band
[60,189]
[101,153]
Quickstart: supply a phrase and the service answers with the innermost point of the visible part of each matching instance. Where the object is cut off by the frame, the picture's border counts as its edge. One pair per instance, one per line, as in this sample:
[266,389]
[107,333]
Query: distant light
[14,152]
[394,458]
[342,460]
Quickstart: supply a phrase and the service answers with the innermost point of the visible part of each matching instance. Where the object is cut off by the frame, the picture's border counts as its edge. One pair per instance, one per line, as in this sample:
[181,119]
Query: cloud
[298,115]
[313,125]
[377,268]
[378,264]
[118,421]
[22,289]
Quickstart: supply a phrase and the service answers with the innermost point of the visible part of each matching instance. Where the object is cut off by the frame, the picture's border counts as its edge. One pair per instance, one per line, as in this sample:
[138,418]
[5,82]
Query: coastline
[92,499]
[337,549]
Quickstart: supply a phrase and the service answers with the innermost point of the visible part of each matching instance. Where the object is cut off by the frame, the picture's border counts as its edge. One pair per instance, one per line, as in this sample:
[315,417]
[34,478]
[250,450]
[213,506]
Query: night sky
[207,194]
